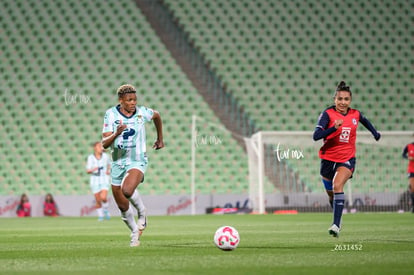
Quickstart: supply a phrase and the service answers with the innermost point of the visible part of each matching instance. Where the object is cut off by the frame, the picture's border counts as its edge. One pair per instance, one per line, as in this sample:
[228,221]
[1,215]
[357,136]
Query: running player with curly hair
[124,132]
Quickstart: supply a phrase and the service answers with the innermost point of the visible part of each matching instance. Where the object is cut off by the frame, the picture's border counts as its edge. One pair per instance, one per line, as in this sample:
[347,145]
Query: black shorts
[410,175]
[328,168]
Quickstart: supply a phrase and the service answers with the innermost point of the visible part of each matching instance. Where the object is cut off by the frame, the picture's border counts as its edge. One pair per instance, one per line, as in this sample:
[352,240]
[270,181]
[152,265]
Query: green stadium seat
[75,73]
[262,50]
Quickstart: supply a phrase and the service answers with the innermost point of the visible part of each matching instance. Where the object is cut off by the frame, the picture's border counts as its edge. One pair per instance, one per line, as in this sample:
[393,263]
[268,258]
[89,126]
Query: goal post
[286,162]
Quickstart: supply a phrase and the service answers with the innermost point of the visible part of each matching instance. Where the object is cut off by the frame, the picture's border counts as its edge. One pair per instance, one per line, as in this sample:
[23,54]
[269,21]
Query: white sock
[129,219]
[136,201]
[105,205]
[100,212]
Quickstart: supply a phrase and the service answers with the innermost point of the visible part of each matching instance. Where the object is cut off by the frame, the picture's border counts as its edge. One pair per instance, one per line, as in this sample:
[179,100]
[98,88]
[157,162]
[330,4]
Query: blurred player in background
[337,125]
[98,166]
[124,132]
[24,209]
[408,153]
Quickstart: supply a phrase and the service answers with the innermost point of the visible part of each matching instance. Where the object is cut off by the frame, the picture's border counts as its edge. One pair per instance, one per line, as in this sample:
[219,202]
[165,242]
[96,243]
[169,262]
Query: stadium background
[243,65]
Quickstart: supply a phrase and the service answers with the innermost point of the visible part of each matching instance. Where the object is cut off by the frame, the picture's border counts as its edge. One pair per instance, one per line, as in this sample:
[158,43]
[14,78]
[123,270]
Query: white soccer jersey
[100,176]
[131,144]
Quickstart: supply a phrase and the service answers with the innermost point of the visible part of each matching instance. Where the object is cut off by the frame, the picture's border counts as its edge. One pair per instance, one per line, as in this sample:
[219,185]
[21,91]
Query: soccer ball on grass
[226,238]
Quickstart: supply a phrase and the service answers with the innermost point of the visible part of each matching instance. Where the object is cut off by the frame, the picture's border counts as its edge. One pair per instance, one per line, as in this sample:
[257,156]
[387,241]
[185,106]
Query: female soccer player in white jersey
[98,166]
[124,132]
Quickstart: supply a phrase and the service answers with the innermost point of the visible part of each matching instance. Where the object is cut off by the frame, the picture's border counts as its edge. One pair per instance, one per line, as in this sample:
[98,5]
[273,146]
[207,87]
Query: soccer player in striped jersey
[124,132]
[337,126]
[98,166]
[408,153]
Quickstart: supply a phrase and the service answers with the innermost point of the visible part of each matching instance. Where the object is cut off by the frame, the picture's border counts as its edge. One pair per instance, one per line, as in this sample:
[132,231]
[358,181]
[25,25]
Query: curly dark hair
[125,89]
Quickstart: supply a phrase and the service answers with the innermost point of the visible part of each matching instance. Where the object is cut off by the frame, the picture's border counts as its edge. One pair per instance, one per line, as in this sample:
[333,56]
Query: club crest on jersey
[139,119]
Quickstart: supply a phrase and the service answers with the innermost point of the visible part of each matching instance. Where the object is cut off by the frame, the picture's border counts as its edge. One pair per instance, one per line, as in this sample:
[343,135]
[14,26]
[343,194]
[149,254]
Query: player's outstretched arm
[367,124]
[159,143]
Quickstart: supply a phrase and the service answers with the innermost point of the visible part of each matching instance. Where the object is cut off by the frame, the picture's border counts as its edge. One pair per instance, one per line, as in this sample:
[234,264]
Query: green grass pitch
[381,243]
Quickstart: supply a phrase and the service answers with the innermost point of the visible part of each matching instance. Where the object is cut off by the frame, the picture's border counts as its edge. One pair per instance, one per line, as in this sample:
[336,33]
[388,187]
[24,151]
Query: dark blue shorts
[328,168]
[410,175]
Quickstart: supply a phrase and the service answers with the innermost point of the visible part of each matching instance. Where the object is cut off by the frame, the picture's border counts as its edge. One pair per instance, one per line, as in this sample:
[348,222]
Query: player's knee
[127,193]
[123,208]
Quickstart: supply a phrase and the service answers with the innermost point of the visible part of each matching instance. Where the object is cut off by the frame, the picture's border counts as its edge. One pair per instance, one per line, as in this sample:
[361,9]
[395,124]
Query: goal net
[284,173]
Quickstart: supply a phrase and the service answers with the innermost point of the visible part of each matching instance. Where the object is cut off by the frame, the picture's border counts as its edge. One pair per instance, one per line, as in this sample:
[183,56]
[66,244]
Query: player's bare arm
[159,143]
[109,137]
[90,171]
[108,170]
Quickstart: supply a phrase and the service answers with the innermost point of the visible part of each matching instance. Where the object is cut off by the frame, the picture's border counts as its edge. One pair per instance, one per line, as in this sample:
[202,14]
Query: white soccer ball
[226,238]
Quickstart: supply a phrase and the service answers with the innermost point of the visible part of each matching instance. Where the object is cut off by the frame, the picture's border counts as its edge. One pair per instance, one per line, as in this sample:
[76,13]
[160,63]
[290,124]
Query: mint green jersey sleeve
[147,113]
[108,122]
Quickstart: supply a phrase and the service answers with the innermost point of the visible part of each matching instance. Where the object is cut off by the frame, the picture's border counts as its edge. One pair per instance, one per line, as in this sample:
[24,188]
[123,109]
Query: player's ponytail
[342,87]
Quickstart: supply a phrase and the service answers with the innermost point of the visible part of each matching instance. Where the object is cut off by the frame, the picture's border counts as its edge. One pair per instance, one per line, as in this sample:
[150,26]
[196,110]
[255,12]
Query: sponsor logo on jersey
[129,132]
[345,134]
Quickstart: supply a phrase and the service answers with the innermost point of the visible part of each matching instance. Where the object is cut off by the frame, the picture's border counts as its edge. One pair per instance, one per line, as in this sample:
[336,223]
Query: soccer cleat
[334,231]
[135,239]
